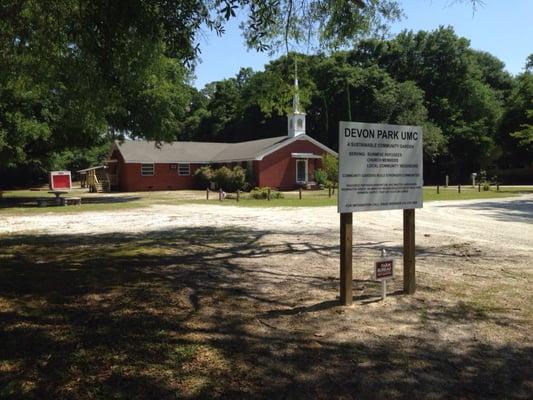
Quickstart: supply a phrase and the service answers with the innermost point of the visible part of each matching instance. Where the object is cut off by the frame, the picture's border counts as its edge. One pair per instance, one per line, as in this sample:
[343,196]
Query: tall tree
[516,131]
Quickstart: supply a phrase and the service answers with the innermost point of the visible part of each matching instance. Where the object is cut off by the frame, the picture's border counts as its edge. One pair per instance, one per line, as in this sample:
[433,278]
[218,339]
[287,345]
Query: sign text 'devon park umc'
[380,167]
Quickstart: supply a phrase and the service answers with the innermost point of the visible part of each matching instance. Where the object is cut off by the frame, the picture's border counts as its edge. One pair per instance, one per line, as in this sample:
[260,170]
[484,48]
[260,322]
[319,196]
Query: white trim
[275,148]
[153,169]
[306,170]
[188,168]
[305,155]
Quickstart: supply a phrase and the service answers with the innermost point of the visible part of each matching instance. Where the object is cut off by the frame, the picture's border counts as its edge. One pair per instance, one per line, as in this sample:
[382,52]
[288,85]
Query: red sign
[60,180]
[384,269]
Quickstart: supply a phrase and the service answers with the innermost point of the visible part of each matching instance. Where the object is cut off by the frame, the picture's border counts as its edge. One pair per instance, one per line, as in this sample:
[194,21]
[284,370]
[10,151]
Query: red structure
[281,162]
[60,180]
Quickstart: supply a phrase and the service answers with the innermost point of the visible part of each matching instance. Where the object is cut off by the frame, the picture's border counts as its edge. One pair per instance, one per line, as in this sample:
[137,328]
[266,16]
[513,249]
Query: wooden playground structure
[97,179]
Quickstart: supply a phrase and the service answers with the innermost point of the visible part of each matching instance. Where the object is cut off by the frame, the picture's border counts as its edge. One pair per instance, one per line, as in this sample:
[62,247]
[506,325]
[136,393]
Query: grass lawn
[24,201]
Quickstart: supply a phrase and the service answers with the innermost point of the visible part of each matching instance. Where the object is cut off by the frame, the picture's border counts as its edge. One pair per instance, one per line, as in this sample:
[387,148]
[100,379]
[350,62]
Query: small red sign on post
[60,180]
[384,269]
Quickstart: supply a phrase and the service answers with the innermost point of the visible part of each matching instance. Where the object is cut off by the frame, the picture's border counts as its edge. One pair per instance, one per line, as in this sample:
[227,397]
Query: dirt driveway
[253,291]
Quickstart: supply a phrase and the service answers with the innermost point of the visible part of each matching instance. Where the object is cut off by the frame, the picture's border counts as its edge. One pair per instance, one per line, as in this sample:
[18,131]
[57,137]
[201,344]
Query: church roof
[140,151]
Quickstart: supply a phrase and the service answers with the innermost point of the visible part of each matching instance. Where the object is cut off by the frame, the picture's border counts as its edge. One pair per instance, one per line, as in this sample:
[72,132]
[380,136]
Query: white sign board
[380,167]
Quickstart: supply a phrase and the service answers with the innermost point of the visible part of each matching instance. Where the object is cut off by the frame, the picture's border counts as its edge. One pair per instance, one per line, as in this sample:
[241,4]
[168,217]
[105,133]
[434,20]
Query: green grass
[23,202]
[320,198]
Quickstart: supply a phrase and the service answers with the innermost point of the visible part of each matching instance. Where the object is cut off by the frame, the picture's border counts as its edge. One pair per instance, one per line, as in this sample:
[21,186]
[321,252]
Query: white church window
[184,169]
[300,123]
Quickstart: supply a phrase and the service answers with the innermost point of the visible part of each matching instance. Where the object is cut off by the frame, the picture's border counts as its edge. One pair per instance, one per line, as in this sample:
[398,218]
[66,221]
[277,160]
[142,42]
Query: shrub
[229,180]
[238,178]
[203,176]
[330,165]
[262,193]
[321,177]
[223,178]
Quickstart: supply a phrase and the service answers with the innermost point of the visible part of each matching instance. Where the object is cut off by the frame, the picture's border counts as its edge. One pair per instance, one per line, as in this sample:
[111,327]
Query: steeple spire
[296,97]
[296,119]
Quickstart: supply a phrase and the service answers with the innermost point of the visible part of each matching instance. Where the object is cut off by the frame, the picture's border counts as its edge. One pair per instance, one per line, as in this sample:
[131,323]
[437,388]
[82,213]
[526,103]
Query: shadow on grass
[31,202]
[177,314]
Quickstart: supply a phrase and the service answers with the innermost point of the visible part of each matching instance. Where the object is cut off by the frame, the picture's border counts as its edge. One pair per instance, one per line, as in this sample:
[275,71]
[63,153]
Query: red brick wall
[164,178]
[278,170]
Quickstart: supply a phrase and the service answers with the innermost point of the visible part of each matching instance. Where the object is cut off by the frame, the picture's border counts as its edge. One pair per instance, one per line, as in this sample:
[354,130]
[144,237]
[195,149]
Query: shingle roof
[194,152]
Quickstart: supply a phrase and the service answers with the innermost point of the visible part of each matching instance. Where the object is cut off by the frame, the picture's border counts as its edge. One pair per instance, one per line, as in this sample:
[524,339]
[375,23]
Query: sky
[502,28]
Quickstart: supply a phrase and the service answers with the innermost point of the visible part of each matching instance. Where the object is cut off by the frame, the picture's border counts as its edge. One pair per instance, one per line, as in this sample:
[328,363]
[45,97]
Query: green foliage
[76,159]
[435,143]
[229,180]
[330,165]
[321,177]
[524,137]
[223,178]
[261,193]
[238,178]
[516,129]
[203,176]
[76,75]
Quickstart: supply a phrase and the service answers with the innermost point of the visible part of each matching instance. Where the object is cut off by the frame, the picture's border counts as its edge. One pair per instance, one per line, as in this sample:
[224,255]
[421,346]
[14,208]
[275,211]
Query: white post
[447,181]
[384,281]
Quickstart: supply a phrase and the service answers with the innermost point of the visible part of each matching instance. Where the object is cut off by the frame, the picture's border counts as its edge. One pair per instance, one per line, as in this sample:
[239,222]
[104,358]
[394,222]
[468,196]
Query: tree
[516,130]
[79,72]
[529,63]
[330,166]
[76,73]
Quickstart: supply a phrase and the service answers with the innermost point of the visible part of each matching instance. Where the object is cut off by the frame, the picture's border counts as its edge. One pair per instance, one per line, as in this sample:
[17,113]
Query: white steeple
[296,119]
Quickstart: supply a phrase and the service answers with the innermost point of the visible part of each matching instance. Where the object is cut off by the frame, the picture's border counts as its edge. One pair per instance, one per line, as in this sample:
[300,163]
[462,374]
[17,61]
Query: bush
[262,193]
[203,176]
[321,177]
[229,180]
[223,178]
[330,165]
[238,179]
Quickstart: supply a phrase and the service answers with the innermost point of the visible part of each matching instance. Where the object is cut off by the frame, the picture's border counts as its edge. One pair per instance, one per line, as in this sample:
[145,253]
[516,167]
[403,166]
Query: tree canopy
[474,113]
[78,74]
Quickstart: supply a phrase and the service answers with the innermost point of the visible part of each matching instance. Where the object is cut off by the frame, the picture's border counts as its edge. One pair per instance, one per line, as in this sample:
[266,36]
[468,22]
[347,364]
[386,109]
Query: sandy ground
[500,225]
[271,298]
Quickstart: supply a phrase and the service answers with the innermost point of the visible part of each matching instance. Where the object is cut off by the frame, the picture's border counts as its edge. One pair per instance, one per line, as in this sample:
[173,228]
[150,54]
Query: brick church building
[283,162]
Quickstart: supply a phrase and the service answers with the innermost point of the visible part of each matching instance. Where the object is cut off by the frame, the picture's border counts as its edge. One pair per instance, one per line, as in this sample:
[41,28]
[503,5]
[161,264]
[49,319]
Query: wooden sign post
[346,276]
[380,168]
[409,279]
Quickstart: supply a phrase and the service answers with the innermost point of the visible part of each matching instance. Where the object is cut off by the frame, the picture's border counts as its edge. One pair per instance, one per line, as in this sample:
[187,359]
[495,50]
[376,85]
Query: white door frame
[306,170]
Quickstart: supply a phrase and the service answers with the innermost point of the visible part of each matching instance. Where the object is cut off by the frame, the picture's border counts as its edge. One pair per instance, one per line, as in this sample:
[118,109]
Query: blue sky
[503,28]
